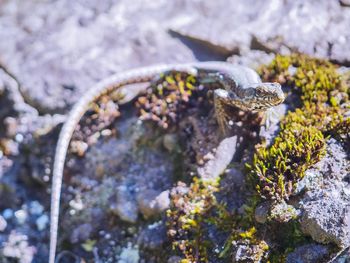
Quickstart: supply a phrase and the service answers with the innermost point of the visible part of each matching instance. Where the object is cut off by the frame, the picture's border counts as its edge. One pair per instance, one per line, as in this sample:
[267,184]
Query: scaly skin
[242,88]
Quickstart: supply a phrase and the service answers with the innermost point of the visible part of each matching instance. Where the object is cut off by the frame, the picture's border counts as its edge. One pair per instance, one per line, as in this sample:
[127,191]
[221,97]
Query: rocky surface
[52,51]
[316,28]
[311,253]
[69,50]
[326,210]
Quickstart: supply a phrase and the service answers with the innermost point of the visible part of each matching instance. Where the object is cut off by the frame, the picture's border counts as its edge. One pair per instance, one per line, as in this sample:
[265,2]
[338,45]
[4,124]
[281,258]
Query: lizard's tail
[120,79]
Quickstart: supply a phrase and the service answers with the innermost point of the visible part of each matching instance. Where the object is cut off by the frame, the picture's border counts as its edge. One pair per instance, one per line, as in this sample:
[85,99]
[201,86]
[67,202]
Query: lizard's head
[265,95]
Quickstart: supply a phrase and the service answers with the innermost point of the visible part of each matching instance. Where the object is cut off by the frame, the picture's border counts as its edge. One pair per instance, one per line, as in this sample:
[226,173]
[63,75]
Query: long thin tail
[105,86]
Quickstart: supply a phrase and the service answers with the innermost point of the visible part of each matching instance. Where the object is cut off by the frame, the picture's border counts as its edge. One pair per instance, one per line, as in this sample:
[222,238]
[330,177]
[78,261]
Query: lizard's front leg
[223,98]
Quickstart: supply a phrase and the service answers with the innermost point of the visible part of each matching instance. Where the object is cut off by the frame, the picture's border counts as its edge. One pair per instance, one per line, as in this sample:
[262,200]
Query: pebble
[7,213]
[129,255]
[42,222]
[170,142]
[21,216]
[125,207]
[151,203]
[76,204]
[19,138]
[3,224]
[35,208]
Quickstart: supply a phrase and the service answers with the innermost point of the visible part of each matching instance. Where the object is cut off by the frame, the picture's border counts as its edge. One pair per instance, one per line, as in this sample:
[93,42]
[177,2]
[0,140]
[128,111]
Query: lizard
[241,87]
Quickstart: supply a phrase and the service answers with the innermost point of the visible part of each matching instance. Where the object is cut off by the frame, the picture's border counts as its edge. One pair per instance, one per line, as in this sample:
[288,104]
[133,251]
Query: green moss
[188,217]
[275,170]
[301,141]
[167,99]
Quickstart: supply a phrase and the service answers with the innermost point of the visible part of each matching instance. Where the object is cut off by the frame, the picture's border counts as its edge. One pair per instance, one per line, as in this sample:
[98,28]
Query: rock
[129,254]
[243,251]
[262,212]
[95,35]
[325,206]
[331,172]
[233,188]
[125,206]
[81,233]
[170,142]
[327,220]
[42,222]
[223,156]
[151,203]
[7,213]
[153,238]
[103,157]
[277,26]
[3,224]
[252,58]
[17,247]
[128,92]
[21,216]
[282,212]
[35,208]
[271,127]
[310,253]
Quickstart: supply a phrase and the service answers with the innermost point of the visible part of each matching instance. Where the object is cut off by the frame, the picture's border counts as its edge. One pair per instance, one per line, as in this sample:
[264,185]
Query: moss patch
[301,141]
[167,99]
[188,216]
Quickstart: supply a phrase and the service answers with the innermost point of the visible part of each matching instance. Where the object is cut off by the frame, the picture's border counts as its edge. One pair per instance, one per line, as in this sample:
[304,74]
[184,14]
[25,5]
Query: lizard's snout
[276,90]
[279,93]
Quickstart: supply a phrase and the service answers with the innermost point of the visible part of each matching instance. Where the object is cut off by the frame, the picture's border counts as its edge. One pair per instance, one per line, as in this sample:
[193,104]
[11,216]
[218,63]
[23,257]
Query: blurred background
[51,52]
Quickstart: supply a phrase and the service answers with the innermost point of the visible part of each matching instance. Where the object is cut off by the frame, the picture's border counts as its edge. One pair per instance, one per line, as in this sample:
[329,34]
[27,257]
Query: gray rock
[327,220]
[129,254]
[42,222]
[152,203]
[222,158]
[3,224]
[51,82]
[271,127]
[243,251]
[170,142]
[18,248]
[233,188]
[311,253]
[282,212]
[81,233]
[68,51]
[128,92]
[252,58]
[125,207]
[103,158]
[262,212]
[277,26]
[35,208]
[331,172]
[153,238]
[326,204]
